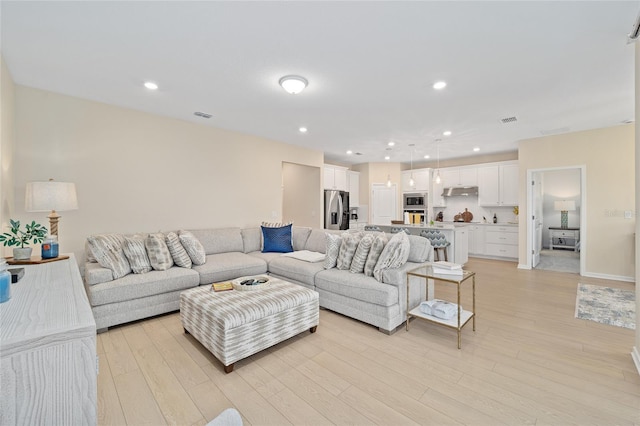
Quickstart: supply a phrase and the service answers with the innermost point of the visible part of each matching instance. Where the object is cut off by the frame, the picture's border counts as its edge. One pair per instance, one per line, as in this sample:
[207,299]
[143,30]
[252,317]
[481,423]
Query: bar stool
[372,228]
[396,229]
[438,242]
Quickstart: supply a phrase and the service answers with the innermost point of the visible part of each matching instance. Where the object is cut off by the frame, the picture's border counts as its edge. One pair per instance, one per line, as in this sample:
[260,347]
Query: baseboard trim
[523,266]
[609,277]
[635,354]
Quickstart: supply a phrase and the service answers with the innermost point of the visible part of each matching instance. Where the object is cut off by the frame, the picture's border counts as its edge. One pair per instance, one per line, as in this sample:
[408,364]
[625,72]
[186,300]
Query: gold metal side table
[463,316]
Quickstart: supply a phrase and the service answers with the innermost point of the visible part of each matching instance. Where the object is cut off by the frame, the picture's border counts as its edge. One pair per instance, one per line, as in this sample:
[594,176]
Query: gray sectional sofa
[235,252]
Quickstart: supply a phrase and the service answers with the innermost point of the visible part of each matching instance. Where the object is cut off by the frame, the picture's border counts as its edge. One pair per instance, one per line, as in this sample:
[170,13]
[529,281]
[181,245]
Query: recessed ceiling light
[426,156]
[293,84]
[150,85]
[303,129]
[447,133]
[476,149]
[349,152]
[439,85]
[391,143]
[387,157]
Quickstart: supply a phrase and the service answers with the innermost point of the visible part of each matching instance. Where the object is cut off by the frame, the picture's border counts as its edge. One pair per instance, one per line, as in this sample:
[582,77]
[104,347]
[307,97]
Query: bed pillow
[178,253]
[374,254]
[360,257]
[136,253]
[394,254]
[193,247]
[332,250]
[158,252]
[348,249]
[107,250]
[277,240]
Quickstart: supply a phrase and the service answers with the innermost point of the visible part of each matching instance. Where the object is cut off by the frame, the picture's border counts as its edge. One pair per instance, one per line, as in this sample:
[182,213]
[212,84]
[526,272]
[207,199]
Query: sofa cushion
[357,286]
[136,253]
[135,286]
[219,240]
[267,257]
[348,249]
[277,240]
[295,269]
[419,249]
[107,250]
[193,247]
[394,254]
[251,239]
[316,241]
[178,253]
[333,243]
[299,236]
[158,252]
[96,274]
[360,257]
[228,266]
[377,246]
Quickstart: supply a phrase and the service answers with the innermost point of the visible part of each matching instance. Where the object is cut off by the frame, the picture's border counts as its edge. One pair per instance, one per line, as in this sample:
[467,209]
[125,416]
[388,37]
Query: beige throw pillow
[193,247]
[360,257]
[158,252]
[374,254]
[394,254]
[178,253]
[348,249]
[332,251]
[136,253]
[107,250]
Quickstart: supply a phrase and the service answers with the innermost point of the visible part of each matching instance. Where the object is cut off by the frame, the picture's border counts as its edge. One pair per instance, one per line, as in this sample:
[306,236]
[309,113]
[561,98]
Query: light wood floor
[529,362]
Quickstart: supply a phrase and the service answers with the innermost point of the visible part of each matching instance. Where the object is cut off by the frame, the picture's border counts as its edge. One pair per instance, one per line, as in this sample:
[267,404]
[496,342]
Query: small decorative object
[5,282]
[250,283]
[495,218]
[225,286]
[16,274]
[17,237]
[564,207]
[50,247]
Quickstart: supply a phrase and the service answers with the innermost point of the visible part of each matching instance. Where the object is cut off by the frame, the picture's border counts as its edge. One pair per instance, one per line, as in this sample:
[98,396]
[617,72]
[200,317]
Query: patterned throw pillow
[158,252]
[277,240]
[394,254]
[360,258]
[348,249]
[136,253]
[374,254]
[178,253]
[193,247]
[333,249]
[107,250]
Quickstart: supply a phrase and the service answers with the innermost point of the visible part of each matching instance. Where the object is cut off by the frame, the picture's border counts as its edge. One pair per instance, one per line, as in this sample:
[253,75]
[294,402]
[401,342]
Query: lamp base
[564,219]
[54,218]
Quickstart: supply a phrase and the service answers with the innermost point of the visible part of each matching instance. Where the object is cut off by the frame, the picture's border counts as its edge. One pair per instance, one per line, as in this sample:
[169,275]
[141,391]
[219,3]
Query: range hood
[460,191]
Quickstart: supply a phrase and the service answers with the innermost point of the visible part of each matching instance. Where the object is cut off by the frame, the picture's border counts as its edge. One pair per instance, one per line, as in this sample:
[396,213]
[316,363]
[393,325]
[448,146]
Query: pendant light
[411,181]
[438,180]
[388,174]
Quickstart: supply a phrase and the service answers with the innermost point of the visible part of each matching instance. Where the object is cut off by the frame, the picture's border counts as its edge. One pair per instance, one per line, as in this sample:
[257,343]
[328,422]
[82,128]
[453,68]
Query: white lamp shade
[564,206]
[293,84]
[52,195]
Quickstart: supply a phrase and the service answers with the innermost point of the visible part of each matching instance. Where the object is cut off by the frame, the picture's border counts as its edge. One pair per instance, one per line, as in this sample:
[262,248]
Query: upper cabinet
[459,176]
[498,185]
[420,180]
[354,189]
[335,177]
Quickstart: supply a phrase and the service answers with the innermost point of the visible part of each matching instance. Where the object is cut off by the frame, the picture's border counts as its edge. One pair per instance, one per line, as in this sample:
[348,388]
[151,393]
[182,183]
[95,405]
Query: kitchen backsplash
[456,205]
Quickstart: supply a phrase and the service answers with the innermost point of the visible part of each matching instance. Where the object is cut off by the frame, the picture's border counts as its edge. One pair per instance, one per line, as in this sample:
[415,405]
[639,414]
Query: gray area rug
[559,261]
[606,305]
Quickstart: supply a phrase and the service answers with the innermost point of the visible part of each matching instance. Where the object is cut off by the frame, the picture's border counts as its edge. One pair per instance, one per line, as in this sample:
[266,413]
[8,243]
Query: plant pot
[22,253]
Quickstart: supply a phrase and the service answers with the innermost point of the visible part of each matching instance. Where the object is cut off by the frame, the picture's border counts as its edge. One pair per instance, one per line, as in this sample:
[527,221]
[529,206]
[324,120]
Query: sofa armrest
[96,274]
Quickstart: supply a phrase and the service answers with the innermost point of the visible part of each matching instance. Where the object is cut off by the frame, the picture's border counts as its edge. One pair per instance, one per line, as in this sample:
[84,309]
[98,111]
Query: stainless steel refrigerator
[336,209]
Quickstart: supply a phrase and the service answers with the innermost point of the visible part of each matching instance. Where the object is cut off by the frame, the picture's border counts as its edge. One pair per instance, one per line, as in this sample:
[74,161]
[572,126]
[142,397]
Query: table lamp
[51,197]
[564,207]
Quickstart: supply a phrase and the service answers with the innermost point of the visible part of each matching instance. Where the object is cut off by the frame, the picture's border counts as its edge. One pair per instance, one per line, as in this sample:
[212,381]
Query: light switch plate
[627,214]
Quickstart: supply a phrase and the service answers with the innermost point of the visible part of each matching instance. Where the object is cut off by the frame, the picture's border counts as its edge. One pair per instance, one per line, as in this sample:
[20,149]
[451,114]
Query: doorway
[556,226]
[384,204]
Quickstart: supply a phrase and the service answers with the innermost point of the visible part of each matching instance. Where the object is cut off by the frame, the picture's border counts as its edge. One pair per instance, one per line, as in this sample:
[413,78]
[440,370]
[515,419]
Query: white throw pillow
[158,252]
[193,247]
[394,254]
[178,253]
[107,250]
[136,253]
[360,257]
[374,254]
[332,250]
[348,249]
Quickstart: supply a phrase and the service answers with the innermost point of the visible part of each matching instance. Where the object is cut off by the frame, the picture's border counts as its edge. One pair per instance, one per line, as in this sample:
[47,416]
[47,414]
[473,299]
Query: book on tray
[222,286]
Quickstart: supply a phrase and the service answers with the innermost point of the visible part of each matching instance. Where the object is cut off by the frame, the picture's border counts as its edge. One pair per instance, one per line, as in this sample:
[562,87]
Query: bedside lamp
[51,197]
[564,207]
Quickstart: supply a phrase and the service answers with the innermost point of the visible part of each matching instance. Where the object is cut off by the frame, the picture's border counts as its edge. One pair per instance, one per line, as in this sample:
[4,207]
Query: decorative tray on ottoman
[257,282]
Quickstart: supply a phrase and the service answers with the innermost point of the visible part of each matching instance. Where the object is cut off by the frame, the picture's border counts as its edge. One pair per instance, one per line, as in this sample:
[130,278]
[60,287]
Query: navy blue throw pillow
[277,240]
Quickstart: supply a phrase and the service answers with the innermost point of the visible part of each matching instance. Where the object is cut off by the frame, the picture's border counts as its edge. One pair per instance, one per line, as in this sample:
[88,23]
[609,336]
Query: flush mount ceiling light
[303,130]
[447,133]
[150,85]
[439,85]
[293,84]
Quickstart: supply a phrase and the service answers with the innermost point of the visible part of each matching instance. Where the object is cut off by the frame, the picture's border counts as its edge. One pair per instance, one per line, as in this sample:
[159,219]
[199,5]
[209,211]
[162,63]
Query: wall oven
[415,201]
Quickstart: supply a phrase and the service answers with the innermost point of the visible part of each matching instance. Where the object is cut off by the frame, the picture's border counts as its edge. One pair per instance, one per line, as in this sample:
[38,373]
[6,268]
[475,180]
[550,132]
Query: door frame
[583,216]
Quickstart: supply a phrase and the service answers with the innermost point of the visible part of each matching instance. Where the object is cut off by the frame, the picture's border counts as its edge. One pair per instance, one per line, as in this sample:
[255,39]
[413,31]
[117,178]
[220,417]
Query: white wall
[137,172]
[7,142]
[559,185]
[302,204]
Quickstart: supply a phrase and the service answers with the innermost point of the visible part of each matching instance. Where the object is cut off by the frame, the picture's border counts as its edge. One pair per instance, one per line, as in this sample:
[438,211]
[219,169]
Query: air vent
[202,114]
[508,120]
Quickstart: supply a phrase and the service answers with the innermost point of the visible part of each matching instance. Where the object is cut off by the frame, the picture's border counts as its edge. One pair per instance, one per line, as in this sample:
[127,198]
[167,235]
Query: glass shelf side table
[463,316]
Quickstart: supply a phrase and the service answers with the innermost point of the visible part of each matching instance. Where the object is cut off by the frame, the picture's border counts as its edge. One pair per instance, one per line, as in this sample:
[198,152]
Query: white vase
[22,253]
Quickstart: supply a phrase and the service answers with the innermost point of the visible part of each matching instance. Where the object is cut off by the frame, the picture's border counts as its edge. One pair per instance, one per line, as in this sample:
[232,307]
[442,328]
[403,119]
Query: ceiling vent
[202,114]
[508,120]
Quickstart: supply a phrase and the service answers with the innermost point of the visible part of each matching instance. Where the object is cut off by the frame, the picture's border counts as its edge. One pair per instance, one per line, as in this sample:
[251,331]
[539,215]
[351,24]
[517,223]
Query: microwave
[415,201]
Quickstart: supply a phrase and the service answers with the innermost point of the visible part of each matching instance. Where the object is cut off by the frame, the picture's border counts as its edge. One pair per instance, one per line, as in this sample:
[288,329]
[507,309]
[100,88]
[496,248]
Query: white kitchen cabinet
[420,180]
[501,241]
[437,200]
[335,177]
[476,240]
[354,188]
[459,176]
[461,253]
[498,185]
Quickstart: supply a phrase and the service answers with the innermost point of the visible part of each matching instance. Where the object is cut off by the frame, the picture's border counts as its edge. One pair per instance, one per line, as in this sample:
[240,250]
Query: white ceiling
[556,66]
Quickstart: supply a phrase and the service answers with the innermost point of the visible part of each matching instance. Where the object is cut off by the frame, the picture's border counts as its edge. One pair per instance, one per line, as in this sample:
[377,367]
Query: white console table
[48,349]
[562,234]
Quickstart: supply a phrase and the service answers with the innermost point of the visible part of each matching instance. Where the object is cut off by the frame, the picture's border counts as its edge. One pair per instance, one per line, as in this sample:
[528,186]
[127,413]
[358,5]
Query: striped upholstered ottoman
[236,324]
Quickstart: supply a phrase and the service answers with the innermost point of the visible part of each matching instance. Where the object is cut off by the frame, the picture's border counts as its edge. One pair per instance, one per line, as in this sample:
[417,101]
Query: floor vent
[509,120]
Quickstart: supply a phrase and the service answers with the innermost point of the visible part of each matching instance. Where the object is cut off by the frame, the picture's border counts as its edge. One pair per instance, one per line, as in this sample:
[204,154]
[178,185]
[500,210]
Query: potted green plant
[19,238]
